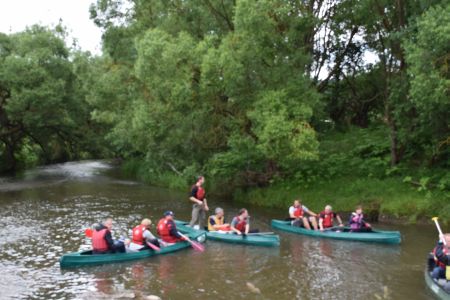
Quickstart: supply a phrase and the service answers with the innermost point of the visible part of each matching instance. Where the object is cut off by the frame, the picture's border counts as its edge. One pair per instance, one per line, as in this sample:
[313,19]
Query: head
[297,203]
[169,215]
[108,223]
[359,209]
[219,212]
[200,180]
[328,209]
[447,239]
[146,223]
[243,213]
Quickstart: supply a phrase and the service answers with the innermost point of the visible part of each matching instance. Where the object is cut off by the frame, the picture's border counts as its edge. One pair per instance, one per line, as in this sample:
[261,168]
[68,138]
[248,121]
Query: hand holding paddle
[154,247]
[197,246]
[441,235]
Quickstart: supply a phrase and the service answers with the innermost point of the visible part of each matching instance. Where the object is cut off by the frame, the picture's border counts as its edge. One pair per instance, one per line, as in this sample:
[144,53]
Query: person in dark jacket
[441,255]
[102,241]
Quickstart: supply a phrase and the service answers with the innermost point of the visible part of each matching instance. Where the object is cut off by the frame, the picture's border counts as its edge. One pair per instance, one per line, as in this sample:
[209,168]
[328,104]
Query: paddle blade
[154,247]
[88,232]
[197,246]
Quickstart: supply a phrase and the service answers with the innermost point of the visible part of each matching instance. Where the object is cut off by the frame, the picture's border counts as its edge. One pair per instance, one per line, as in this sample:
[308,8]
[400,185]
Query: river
[44,212]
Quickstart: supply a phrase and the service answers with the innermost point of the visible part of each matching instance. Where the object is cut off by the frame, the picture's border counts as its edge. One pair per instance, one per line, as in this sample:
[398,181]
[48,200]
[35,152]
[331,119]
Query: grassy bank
[389,196]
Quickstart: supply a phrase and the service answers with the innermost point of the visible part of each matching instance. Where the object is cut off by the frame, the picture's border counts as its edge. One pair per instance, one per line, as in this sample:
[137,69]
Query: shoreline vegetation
[272,99]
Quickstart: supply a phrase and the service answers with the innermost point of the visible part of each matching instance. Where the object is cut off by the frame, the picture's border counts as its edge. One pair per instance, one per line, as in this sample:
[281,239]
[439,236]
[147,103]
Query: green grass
[388,196]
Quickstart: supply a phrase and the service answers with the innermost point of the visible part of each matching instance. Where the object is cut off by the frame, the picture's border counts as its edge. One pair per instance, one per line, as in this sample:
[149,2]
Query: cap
[168,213]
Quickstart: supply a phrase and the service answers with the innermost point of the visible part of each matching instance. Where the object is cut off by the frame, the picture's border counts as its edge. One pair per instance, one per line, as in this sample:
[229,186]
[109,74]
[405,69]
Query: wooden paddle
[441,235]
[197,246]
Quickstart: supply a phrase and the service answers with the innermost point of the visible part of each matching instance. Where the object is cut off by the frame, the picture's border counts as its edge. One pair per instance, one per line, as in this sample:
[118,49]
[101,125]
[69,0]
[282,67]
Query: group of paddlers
[142,238]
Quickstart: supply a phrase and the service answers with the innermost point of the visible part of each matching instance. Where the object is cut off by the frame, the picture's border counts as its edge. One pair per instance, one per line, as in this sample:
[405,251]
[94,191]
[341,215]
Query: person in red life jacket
[167,230]
[141,235]
[327,217]
[217,221]
[357,223]
[200,206]
[102,241]
[297,214]
[241,223]
[441,254]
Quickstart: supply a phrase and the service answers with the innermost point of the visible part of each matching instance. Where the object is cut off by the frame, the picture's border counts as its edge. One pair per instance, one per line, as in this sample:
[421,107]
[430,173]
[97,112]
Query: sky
[15,15]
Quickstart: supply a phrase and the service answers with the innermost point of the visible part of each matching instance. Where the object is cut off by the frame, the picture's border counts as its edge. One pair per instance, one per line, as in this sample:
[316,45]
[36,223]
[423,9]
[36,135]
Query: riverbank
[389,200]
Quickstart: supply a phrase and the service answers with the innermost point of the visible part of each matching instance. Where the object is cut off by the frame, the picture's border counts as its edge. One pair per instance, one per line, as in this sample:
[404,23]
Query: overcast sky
[15,15]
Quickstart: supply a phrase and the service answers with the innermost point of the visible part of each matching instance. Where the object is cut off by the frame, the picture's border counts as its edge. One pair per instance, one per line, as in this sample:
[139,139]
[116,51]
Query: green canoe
[270,240]
[341,233]
[441,287]
[86,258]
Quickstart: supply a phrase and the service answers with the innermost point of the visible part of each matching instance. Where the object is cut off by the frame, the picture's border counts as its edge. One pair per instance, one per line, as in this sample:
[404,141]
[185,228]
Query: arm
[321,223]
[291,213]
[233,224]
[174,232]
[247,228]
[339,220]
[193,196]
[109,240]
[205,203]
[309,212]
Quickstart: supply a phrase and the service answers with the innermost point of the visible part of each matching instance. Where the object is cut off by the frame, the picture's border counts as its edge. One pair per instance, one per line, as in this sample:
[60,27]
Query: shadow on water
[43,214]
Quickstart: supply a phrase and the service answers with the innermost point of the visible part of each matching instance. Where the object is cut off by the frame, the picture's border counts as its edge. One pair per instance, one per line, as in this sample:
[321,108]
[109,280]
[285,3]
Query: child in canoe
[357,223]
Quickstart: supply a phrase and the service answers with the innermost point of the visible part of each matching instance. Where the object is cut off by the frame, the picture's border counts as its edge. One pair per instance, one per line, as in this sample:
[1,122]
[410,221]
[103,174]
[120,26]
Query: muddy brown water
[43,214]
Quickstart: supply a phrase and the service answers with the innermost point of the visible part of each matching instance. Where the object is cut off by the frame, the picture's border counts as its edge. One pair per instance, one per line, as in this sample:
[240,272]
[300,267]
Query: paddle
[261,233]
[197,246]
[441,235]
[154,247]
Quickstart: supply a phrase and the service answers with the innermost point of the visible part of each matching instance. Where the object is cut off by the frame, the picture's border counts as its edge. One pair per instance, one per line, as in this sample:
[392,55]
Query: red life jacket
[99,243]
[200,195]
[138,234]
[241,224]
[436,260]
[163,230]
[327,219]
[298,211]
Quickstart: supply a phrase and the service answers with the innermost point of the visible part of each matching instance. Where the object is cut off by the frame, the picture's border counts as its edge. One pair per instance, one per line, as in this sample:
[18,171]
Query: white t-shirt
[148,236]
[292,209]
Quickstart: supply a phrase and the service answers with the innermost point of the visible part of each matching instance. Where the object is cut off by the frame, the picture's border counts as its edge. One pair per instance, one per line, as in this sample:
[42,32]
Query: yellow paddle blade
[434,218]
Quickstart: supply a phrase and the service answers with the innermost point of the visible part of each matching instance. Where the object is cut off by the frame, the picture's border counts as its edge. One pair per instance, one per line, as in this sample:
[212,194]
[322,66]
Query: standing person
[142,236]
[217,221]
[167,230]
[297,215]
[200,206]
[102,241]
[357,223]
[326,218]
[241,223]
[441,254]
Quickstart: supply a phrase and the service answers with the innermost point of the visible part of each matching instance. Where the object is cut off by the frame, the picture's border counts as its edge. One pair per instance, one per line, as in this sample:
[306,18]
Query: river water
[43,214]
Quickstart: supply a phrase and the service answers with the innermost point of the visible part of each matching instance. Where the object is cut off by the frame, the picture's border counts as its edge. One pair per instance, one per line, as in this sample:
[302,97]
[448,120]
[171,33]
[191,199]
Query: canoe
[341,233]
[441,287]
[269,240]
[86,258]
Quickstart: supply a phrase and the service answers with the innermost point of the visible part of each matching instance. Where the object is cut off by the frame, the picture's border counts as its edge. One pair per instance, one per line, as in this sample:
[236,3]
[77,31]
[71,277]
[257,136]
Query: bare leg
[313,222]
[306,223]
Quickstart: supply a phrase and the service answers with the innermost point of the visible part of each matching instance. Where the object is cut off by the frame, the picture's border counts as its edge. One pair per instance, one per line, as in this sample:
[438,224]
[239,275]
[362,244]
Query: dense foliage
[251,93]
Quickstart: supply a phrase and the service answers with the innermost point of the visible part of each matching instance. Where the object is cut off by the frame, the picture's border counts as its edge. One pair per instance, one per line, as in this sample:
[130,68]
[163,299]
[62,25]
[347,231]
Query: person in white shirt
[297,214]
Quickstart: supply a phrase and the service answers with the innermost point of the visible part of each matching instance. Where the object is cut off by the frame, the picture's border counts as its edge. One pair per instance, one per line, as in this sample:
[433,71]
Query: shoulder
[291,208]
[304,208]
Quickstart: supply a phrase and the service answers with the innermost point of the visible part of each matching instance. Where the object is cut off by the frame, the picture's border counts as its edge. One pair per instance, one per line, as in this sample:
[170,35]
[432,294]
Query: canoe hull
[438,290]
[387,237]
[272,240]
[85,258]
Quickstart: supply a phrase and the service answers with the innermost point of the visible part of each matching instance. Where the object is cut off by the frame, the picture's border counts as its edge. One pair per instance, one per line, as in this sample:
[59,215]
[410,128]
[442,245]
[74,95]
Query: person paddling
[142,236]
[357,223]
[200,206]
[441,254]
[297,214]
[167,230]
[241,223]
[217,221]
[102,241]
[326,218]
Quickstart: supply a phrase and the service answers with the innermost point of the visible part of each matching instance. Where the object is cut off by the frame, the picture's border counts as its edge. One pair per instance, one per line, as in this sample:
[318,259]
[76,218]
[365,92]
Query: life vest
[163,230]
[436,259]
[298,211]
[219,222]
[241,224]
[138,234]
[200,195]
[327,219]
[356,221]
[99,243]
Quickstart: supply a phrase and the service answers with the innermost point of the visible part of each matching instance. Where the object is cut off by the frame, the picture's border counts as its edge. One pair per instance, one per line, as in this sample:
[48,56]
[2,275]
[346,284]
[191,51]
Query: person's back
[141,235]
[101,238]
[167,230]
[441,255]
